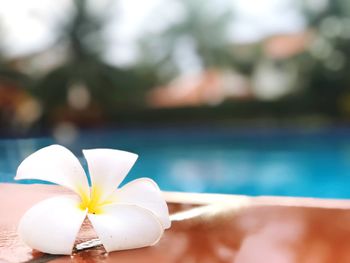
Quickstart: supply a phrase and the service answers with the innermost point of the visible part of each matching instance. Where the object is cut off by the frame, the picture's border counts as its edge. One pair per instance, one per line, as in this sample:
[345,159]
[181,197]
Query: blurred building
[213,86]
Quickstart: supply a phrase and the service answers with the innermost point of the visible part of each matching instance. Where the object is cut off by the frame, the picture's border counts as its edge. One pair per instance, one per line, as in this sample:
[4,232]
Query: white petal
[122,227]
[55,164]
[108,168]
[51,226]
[144,192]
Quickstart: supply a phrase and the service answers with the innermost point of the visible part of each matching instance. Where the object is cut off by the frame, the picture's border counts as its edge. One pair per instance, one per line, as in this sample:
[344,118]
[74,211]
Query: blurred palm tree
[106,88]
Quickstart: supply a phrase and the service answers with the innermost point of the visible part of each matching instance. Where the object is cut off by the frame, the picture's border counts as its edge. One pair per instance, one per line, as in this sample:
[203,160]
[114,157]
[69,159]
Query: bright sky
[28,26]
[256,19]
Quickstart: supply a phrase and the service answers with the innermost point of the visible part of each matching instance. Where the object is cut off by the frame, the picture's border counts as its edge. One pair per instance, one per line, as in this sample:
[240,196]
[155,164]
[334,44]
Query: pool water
[262,162]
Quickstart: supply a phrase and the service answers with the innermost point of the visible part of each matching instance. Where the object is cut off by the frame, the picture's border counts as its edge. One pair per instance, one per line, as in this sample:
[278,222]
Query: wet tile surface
[214,233]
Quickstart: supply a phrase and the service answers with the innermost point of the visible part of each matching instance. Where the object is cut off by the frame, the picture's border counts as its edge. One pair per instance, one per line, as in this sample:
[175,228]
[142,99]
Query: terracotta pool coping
[205,228]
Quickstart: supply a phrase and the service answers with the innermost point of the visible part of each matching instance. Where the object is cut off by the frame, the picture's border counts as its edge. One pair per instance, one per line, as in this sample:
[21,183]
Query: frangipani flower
[130,217]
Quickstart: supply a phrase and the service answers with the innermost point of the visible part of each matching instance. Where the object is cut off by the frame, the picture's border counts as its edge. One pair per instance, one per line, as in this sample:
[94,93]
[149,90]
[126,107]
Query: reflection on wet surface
[216,233]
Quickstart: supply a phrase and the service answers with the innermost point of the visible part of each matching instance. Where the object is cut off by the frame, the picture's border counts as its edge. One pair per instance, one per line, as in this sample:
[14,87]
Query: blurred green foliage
[325,66]
[200,35]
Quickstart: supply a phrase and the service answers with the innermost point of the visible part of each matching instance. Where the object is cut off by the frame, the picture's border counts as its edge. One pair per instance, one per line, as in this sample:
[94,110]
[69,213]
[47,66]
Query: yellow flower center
[94,204]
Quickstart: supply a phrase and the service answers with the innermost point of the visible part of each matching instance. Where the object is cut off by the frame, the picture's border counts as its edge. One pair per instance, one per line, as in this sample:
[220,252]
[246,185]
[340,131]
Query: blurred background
[239,96]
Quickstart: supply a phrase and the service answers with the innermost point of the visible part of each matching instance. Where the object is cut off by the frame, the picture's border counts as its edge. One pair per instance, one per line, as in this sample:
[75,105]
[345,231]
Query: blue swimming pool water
[261,162]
